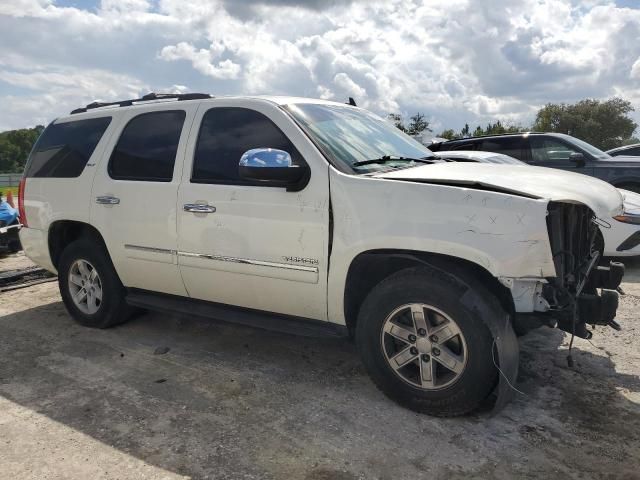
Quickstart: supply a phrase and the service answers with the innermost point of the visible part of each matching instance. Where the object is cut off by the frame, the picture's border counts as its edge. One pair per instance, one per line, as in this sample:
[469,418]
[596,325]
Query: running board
[230,314]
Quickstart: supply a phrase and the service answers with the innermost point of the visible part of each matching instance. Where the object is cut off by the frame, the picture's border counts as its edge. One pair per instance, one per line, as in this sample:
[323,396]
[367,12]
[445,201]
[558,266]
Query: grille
[572,235]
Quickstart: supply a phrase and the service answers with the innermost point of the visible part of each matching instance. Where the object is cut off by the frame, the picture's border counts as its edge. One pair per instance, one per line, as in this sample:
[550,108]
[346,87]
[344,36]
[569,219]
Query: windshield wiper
[391,158]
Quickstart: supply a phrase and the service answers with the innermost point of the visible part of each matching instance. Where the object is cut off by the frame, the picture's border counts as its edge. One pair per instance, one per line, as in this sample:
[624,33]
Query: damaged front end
[582,292]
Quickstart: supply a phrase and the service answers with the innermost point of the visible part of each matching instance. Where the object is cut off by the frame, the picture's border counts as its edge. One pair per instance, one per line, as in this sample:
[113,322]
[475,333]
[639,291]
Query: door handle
[198,208]
[107,200]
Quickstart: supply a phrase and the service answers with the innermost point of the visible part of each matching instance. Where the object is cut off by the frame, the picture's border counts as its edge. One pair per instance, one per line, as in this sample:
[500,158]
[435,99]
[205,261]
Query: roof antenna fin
[352,102]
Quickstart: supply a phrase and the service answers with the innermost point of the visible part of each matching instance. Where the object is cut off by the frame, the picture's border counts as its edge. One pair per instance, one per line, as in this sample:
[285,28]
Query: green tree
[605,124]
[15,146]
[449,134]
[418,125]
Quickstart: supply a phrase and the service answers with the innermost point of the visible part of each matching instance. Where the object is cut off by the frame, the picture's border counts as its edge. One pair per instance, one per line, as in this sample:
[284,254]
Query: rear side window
[511,146]
[63,149]
[147,147]
[465,146]
[226,133]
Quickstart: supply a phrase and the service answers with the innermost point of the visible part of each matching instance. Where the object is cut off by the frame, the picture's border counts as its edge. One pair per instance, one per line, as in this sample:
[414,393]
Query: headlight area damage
[582,292]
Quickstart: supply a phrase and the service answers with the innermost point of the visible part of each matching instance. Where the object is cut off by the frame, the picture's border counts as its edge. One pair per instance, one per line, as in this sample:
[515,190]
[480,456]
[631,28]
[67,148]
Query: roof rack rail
[146,98]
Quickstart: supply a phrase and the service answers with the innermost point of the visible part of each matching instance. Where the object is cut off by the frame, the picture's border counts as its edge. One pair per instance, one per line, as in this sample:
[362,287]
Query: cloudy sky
[454,60]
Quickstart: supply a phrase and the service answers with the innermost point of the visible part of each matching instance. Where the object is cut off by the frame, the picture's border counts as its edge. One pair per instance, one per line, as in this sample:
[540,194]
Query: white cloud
[454,60]
[202,59]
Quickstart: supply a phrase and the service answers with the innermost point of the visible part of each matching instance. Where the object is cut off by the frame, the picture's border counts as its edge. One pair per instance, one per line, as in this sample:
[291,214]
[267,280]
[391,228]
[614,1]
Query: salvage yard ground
[232,402]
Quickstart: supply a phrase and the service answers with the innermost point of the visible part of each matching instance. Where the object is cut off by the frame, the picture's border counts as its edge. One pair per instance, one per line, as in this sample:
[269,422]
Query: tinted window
[64,149]
[511,146]
[225,134]
[547,149]
[464,146]
[147,147]
[631,151]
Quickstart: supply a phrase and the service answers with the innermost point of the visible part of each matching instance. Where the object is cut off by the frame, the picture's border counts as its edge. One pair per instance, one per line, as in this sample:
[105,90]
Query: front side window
[147,147]
[349,136]
[550,150]
[63,149]
[511,146]
[228,132]
[587,147]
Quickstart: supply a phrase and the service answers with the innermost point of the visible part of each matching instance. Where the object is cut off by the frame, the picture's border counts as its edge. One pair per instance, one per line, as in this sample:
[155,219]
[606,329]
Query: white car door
[250,245]
[134,195]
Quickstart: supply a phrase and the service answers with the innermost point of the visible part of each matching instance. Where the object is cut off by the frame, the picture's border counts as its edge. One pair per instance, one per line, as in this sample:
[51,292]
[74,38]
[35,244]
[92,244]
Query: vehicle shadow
[233,402]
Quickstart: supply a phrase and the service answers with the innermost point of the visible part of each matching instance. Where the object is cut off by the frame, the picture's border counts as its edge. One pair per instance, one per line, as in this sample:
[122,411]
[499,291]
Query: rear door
[256,245]
[514,146]
[134,195]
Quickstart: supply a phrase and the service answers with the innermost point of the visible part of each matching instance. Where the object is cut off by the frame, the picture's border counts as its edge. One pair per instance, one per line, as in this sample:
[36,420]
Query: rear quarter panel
[47,200]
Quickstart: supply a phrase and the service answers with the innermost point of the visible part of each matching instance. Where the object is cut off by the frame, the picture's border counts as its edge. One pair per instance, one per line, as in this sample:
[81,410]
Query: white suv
[316,217]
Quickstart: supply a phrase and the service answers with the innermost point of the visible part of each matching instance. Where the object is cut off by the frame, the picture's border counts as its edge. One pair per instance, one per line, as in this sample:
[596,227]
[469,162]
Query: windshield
[587,147]
[350,135]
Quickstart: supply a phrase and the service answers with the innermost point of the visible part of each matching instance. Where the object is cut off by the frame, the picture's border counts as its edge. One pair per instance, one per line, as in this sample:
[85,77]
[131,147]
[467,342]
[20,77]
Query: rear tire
[446,377]
[90,287]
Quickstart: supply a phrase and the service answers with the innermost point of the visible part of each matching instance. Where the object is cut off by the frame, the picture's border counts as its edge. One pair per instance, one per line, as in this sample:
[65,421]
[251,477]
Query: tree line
[603,123]
[15,146]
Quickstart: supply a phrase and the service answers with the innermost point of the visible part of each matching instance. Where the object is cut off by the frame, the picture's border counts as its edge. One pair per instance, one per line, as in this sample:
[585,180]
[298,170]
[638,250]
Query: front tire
[423,347]
[90,287]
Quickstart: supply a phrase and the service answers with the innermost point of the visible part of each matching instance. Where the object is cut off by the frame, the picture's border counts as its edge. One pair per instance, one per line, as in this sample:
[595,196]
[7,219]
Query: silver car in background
[621,234]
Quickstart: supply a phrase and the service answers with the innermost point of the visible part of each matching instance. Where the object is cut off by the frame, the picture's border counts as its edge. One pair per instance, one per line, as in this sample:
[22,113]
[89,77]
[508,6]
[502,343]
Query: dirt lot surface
[232,402]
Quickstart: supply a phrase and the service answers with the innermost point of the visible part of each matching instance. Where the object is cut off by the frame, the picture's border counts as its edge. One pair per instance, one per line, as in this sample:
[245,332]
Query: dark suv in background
[556,150]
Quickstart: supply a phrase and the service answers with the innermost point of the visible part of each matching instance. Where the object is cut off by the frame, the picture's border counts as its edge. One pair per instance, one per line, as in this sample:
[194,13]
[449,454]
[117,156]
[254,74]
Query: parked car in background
[627,150]
[620,233]
[316,217]
[556,150]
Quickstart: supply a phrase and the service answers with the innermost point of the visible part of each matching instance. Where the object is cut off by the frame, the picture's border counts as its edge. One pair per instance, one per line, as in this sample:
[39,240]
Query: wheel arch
[369,268]
[62,232]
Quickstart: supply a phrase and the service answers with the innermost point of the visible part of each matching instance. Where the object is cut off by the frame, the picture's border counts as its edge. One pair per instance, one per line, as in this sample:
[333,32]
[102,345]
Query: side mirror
[578,158]
[270,165]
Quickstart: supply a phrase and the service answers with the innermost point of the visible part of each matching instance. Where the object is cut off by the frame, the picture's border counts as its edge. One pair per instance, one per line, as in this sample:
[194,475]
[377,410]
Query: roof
[494,135]
[154,98]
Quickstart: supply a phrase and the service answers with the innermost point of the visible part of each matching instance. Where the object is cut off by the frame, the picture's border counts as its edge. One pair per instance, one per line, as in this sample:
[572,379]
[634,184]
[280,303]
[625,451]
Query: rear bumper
[36,247]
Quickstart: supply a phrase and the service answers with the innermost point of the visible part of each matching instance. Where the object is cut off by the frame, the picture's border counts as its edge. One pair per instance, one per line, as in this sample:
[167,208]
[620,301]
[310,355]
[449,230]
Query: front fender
[504,234]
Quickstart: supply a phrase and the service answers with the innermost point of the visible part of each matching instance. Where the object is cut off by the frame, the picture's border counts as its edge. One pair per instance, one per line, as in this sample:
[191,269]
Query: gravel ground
[232,402]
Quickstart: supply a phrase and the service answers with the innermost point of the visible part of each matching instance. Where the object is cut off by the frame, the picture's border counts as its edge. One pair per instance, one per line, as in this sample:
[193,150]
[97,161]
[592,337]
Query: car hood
[537,182]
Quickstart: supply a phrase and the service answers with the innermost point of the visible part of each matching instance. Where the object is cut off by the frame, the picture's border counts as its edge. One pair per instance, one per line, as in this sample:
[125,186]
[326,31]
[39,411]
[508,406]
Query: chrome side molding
[249,261]
[223,258]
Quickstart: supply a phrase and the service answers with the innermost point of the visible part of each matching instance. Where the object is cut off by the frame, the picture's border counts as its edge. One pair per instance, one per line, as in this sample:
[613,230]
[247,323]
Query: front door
[555,153]
[248,244]
[134,197]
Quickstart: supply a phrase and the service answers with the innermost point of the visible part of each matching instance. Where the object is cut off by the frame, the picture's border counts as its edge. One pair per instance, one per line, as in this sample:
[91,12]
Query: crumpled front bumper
[596,302]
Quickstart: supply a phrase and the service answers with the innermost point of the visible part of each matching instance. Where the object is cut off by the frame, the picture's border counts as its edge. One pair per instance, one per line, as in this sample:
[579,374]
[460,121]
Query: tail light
[21,209]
